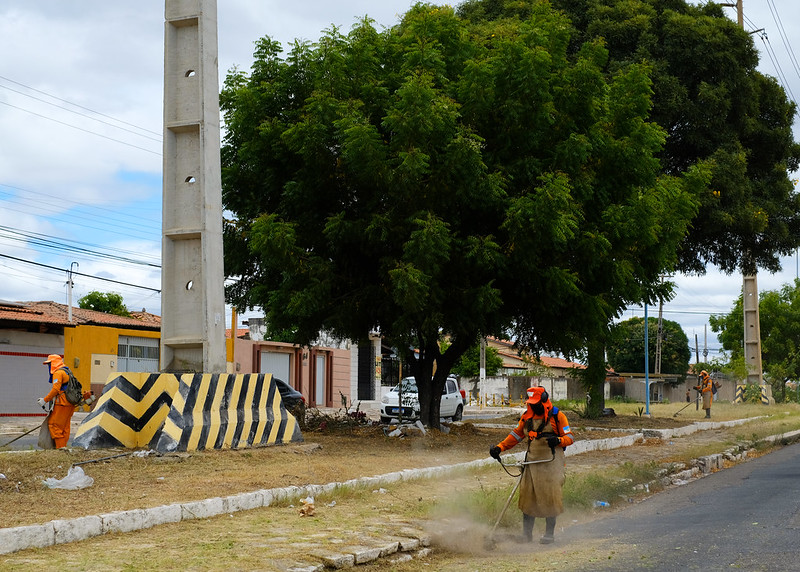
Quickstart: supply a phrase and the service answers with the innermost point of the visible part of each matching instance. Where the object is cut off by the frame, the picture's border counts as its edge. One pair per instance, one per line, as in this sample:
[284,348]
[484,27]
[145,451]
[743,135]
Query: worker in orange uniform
[548,434]
[58,422]
[706,387]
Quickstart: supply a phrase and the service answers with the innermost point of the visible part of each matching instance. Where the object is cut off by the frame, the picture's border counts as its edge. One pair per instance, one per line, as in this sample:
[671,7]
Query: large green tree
[717,110]
[448,178]
[715,107]
[108,302]
[626,350]
[779,312]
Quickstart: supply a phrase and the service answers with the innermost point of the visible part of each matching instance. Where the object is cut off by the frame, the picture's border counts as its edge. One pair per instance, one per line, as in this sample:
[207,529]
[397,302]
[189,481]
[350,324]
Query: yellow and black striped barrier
[739,396]
[130,412]
[224,411]
[195,411]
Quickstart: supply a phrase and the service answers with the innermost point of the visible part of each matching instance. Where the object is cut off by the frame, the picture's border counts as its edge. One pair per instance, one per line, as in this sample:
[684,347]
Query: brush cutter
[489,543]
[21,436]
[685,406]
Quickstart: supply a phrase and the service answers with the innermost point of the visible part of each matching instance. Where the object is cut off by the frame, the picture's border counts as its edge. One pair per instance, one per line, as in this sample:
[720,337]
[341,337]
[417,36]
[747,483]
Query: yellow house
[94,344]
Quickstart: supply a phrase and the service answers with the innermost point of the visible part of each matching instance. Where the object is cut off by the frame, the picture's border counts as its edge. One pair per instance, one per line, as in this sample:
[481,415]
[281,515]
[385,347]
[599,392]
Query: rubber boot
[708,414]
[549,533]
[527,527]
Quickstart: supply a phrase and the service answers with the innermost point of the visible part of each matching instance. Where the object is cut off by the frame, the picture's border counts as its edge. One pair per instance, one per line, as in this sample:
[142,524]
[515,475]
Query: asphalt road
[743,518]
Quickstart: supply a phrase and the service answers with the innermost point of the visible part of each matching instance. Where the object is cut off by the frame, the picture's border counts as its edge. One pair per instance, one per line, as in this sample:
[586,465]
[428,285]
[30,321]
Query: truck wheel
[458,414]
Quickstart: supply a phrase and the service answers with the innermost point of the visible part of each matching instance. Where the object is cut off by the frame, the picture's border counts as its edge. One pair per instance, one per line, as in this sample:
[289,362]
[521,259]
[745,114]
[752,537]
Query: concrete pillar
[192,291]
[752,330]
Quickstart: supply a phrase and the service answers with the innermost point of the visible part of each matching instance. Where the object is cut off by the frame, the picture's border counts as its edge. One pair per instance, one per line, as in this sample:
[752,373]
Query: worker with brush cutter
[60,416]
[705,385]
[548,434]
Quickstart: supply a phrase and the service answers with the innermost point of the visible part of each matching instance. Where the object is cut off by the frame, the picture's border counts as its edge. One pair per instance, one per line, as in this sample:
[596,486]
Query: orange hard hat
[537,395]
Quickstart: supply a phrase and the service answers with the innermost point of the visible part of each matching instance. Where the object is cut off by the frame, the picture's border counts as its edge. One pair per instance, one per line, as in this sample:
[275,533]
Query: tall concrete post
[192,291]
[752,330]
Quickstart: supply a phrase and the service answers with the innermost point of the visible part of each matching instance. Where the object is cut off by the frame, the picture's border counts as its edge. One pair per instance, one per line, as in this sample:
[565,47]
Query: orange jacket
[706,384]
[60,377]
[558,425]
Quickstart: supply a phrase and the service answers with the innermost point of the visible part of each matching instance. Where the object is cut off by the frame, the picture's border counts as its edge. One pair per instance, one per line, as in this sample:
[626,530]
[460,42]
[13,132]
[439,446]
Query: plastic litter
[308,506]
[75,479]
[601,504]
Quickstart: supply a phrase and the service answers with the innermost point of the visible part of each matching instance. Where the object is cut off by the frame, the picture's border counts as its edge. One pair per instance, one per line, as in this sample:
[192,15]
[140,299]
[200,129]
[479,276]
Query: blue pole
[646,365]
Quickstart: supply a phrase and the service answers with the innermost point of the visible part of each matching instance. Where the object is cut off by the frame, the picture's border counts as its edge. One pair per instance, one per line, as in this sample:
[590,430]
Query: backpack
[73,390]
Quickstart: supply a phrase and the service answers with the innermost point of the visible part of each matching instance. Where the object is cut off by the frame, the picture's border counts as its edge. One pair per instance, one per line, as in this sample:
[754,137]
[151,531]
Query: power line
[774,11]
[79,273]
[36,203]
[79,106]
[81,129]
[131,131]
[34,239]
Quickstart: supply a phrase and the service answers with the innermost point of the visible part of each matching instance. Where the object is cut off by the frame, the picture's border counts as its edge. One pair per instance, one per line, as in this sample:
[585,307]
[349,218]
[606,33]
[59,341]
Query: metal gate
[137,354]
[366,371]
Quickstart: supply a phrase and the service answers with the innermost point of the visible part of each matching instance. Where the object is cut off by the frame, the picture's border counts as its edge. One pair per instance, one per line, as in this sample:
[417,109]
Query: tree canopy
[469,364]
[108,302]
[714,106]
[449,177]
[626,350]
[779,312]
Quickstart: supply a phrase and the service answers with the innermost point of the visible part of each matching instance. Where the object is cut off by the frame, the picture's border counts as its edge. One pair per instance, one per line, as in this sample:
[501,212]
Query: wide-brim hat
[51,358]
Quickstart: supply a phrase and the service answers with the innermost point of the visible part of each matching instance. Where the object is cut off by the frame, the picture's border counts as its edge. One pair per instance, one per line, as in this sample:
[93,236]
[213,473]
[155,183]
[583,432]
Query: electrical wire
[80,106]
[33,240]
[786,44]
[159,139]
[78,273]
[81,129]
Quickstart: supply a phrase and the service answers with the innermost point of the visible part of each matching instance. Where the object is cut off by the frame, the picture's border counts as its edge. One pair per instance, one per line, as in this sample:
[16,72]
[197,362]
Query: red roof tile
[58,314]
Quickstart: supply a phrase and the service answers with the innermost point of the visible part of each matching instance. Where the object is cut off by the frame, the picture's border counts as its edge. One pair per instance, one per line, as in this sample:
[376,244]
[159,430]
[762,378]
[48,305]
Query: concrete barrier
[193,412]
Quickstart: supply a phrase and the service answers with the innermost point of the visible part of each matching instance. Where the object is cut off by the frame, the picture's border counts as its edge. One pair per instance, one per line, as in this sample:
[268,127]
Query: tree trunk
[594,378]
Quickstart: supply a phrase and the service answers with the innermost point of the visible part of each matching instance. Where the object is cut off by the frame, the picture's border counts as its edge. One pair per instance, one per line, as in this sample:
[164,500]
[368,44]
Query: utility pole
[482,372]
[752,328]
[659,336]
[192,291]
[69,292]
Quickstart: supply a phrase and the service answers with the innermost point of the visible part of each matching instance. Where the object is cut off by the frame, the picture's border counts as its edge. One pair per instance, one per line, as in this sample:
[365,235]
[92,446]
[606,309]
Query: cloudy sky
[80,153]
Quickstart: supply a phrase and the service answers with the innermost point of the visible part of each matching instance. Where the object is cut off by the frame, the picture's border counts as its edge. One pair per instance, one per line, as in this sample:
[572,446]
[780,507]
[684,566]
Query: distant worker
[548,434]
[58,422]
[706,387]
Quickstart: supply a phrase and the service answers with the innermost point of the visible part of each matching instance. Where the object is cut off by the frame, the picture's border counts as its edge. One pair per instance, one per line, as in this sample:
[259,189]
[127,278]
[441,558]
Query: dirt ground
[124,481]
[277,537]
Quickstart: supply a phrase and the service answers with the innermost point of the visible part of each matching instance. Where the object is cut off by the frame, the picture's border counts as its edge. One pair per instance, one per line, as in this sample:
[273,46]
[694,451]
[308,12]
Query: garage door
[23,378]
[276,363]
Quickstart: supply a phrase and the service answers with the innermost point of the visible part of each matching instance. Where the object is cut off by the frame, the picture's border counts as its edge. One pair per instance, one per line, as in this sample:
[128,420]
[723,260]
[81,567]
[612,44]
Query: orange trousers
[59,424]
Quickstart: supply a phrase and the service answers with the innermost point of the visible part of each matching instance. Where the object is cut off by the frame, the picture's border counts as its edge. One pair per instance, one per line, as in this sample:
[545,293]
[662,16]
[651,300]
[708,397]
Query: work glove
[42,402]
[553,442]
[495,452]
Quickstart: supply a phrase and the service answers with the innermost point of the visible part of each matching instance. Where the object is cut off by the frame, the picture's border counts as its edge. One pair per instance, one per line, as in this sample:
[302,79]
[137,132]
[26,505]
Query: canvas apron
[540,489]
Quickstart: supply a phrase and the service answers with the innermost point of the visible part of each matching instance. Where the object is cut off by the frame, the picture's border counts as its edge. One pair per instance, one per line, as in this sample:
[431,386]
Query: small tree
[626,351]
[110,303]
[469,364]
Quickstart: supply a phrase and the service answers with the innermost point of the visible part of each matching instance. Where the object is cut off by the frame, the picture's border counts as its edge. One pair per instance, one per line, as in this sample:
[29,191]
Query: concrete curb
[81,528]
